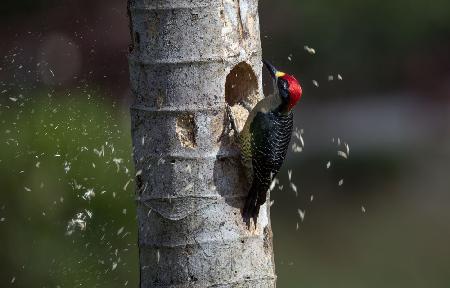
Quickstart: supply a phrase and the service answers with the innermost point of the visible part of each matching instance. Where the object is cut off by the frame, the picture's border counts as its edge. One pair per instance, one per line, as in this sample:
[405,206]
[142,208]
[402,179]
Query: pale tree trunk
[188,58]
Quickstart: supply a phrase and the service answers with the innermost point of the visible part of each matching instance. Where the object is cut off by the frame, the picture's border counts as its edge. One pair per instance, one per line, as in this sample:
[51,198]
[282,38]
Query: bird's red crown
[295,90]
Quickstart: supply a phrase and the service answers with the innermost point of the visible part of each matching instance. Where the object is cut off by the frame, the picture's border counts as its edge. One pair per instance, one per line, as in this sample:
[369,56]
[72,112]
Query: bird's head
[289,90]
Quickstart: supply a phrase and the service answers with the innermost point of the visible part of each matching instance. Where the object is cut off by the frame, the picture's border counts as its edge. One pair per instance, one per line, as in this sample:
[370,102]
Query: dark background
[64,131]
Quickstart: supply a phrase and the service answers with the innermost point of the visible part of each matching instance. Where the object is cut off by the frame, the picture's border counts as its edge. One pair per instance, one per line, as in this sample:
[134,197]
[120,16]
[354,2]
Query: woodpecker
[265,138]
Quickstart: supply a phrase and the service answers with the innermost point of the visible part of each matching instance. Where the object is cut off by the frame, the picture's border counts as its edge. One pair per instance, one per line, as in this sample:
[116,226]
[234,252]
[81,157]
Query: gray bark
[188,58]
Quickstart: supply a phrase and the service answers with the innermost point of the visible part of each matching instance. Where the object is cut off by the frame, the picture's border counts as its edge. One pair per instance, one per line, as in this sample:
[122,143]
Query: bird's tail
[256,197]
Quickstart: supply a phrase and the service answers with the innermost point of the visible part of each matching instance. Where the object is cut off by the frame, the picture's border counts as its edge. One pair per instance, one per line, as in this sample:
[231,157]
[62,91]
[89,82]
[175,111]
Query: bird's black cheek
[284,95]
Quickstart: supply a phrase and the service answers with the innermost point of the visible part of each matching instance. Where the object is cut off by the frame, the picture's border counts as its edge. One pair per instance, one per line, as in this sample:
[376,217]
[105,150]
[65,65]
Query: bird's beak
[272,70]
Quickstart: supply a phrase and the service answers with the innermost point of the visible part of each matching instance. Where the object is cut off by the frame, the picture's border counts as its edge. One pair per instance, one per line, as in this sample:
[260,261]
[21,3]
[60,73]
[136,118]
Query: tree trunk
[188,58]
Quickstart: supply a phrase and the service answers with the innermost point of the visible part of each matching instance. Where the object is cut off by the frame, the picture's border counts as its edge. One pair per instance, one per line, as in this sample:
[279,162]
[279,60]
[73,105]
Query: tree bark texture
[187,60]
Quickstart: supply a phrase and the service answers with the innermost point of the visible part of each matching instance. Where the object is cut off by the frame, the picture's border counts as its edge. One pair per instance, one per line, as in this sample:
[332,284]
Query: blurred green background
[67,215]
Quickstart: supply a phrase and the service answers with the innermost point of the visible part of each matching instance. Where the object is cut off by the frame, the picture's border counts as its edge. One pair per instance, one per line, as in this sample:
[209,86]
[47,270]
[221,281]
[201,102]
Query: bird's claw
[246,105]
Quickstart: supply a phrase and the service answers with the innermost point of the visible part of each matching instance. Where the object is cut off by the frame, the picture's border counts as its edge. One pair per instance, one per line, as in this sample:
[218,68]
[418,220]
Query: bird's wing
[262,151]
[269,143]
[262,166]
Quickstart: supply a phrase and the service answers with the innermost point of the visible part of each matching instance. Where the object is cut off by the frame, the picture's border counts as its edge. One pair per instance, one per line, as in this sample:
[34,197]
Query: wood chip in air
[310,50]
[294,187]
[301,214]
[342,154]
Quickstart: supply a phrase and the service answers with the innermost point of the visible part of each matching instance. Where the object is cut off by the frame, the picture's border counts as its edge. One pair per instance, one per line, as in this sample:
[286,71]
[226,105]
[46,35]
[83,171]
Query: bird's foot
[246,105]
